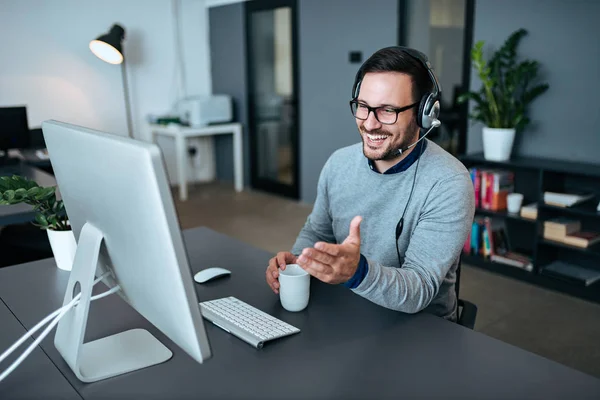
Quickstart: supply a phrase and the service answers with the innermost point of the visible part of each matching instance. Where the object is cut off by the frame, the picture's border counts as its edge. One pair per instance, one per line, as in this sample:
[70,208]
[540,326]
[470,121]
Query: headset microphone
[434,124]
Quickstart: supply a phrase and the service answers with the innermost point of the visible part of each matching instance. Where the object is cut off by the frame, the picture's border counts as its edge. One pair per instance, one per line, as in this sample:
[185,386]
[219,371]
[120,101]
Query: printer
[197,111]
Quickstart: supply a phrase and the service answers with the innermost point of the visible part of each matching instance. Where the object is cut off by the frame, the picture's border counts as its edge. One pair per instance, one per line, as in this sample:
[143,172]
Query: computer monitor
[120,207]
[14,130]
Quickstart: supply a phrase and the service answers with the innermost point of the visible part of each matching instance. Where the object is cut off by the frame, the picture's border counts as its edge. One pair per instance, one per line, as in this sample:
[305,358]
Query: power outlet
[201,161]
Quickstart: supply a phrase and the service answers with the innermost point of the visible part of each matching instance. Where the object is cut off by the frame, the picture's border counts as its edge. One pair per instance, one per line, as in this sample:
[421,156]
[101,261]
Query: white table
[182,133]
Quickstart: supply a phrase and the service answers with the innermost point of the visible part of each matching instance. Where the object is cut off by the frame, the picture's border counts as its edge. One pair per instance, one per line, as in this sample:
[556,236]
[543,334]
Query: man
[390,219]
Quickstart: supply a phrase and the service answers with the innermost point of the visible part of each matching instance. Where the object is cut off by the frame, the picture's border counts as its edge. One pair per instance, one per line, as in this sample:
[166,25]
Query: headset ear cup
[430,113]
[421,113]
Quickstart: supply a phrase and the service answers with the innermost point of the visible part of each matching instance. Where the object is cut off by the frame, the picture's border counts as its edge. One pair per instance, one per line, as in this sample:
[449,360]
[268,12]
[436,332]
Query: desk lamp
[109,48]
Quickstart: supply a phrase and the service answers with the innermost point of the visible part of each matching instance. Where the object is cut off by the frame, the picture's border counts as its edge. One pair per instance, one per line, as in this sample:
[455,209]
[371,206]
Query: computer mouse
[210,273]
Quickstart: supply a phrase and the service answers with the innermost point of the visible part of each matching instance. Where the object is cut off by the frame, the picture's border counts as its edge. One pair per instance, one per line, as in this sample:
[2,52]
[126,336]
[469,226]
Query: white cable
[57,315]
[46,331]
[46,320]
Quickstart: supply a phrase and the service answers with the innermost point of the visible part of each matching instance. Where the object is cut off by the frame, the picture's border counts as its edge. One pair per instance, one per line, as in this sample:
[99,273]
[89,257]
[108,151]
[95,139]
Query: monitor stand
[109,356]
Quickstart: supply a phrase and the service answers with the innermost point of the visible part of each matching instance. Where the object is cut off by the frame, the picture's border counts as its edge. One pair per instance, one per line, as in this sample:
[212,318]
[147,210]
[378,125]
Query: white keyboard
[245,321]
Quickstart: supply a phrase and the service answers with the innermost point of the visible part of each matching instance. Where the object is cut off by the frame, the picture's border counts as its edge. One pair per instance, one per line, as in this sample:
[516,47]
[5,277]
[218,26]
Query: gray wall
[563,37]
[228,65]
[329,29]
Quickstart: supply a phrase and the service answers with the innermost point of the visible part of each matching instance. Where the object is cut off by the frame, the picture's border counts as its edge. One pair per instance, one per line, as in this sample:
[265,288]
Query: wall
[48,66]
[328,31]
[563,37]
[228,65]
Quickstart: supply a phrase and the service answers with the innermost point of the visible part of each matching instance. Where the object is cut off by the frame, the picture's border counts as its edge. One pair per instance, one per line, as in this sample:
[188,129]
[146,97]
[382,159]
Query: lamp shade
[109,47]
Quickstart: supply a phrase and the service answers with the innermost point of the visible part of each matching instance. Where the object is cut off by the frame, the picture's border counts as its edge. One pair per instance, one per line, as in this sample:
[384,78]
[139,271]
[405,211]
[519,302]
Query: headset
[429,106]
[427,115]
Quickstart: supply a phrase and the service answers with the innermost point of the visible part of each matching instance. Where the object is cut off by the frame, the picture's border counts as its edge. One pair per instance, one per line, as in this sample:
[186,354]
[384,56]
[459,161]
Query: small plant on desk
[50,215]
[50,212]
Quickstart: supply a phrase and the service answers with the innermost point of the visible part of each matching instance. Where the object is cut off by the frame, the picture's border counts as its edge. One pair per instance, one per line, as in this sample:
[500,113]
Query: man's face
[381,142]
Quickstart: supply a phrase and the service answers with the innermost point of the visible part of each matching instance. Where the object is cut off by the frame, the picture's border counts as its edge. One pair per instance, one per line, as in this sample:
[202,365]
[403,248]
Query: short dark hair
[395,59]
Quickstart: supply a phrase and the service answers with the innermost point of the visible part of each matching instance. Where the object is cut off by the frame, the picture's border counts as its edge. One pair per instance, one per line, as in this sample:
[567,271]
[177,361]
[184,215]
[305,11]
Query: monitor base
[109,356]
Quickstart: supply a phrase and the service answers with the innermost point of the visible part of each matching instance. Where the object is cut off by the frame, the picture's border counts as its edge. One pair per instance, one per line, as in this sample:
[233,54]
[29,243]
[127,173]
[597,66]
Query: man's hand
[279,261]
[334,263]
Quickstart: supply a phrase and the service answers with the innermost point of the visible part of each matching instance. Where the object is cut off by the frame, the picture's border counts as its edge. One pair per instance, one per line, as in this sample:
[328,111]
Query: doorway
[272,71]
[443,30]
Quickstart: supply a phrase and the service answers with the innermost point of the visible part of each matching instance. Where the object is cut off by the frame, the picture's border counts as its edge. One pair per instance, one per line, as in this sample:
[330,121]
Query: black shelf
[591,250]
[591,292]
[508,270]
[533,177]
[502,214]
[584,210]
[534,163]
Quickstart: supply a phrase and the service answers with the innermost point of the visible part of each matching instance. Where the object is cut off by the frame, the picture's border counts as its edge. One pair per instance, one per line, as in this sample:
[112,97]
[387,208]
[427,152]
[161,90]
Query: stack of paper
[565,199]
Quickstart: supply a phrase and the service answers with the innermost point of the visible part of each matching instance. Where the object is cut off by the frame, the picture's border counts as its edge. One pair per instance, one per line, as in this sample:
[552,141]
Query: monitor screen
[14,129]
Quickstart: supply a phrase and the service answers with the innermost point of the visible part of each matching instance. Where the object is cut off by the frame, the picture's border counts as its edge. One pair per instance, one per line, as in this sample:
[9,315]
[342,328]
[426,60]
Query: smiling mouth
[376,138]
[375,141]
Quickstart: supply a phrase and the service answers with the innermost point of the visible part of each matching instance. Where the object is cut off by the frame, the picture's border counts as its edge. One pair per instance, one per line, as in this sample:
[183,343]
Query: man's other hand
[279,261]
[334,263]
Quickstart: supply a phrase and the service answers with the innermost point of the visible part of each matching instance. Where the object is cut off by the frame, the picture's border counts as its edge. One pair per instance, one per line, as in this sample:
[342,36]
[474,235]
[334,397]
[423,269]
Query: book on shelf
[491,188]
[582,239]
[530,211]
[571,273]
[565,199]
[560,227]
[514,259]
[487,237]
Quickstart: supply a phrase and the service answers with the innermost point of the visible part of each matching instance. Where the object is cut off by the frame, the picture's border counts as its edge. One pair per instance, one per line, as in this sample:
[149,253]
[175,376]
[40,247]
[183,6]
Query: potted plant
[50,214]
[507,89]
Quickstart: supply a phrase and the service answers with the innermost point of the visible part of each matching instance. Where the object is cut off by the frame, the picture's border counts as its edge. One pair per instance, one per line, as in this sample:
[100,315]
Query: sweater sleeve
[318,226]
[435,244]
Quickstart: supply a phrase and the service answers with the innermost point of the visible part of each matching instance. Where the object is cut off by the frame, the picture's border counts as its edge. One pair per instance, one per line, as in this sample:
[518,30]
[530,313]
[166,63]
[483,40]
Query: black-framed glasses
[387,115]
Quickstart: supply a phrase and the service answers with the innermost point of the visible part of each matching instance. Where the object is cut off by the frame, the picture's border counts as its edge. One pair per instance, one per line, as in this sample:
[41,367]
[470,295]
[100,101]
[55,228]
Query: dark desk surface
[21,213]
[36,377]
[348,347]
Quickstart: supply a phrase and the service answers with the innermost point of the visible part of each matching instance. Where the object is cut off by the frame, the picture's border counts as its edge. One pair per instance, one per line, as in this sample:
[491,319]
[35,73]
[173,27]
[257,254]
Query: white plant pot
[497,143]
[63,247]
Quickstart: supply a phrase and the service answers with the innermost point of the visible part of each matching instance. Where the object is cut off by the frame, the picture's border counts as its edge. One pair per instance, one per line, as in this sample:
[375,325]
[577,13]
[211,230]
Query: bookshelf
[503,214]
[533,177]
[593,250]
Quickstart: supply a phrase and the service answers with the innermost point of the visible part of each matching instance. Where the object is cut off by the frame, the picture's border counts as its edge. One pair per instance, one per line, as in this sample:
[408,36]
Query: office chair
[467,311]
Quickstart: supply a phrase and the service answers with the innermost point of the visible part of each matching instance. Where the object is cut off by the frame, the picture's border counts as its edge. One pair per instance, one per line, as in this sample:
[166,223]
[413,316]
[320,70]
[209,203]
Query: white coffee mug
[514,201]
[294,287]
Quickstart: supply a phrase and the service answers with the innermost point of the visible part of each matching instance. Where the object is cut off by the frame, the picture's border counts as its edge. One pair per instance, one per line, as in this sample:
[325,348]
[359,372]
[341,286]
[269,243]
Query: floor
[553,325]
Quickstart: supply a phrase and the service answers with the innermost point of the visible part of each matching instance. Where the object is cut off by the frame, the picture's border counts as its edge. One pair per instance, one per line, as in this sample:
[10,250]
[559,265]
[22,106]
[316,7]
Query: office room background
[288,68]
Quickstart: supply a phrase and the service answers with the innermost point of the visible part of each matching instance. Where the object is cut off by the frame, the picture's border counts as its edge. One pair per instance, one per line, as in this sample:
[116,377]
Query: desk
[182,133]
[21,213]
[36,377]
[348,346]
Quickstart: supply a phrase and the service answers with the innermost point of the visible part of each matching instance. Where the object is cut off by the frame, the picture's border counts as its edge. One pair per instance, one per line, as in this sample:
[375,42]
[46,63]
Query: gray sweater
[436,225]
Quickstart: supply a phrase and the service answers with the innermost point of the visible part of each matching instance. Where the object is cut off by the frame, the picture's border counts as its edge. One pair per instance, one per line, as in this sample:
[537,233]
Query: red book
[484,190]
[478,188]
[582,239]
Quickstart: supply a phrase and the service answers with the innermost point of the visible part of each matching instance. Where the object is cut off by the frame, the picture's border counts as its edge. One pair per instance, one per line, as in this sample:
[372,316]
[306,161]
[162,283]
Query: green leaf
[21,193]
[9,195]
[534,92]
[45,193]
[41,219]
[34,191]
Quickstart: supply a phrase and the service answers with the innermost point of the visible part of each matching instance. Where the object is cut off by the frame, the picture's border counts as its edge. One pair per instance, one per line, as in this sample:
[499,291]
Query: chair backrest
[457,284]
